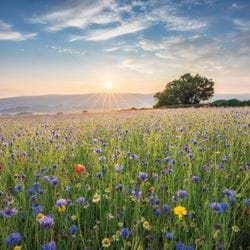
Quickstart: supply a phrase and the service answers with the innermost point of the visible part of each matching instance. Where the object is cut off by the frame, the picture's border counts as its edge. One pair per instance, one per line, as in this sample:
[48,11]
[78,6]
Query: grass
[212,144]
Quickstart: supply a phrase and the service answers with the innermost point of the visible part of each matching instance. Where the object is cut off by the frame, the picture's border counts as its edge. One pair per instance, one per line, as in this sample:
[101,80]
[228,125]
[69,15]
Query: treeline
[217,103]
[230,103]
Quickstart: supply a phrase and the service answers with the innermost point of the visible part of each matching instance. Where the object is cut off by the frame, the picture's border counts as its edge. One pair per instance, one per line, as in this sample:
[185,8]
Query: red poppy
[79,168]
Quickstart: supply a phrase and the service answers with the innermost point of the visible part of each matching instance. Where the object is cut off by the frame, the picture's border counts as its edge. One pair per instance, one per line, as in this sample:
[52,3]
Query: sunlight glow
[108,85]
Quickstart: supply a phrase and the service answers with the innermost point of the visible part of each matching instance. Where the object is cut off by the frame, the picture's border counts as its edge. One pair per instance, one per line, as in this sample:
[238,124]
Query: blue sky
[78,46]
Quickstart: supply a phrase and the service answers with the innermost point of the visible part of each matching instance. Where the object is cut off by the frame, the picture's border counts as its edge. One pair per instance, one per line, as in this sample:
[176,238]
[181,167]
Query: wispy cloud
[137,65]
[243,25]
[114,18]
[77,16]
[122,29]
[67,50]
[8,34]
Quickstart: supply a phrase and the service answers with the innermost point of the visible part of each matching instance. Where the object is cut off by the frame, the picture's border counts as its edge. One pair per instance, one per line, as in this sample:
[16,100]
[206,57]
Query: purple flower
[53,180]
[169,236]
[182,194]
[166,208]
[229,192]
[18,188]
[219,207]
[247,201]
[216,206]
[49,246]
[13,239]
[47,221]
[180,246]
[8,212]
[73,229]
[99,175]
[61,202]
[224,206]
[195,178]
[124,233]
[157,212]
[36,209]
[143,176]
[119,187]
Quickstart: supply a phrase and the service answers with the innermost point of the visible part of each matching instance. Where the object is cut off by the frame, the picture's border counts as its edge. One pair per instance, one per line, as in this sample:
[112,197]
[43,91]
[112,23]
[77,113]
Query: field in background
[160,179]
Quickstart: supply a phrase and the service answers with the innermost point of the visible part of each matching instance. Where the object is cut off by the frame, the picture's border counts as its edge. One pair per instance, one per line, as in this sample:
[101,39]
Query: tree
[188,89]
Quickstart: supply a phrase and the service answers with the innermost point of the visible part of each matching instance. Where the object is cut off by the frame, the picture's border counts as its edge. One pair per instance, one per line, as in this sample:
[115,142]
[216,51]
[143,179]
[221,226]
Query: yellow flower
[61,209]
[17,248]
[39,216]
[96,198]
[106,242]
[108,189]
[146,225]
[73,217]
[180,211]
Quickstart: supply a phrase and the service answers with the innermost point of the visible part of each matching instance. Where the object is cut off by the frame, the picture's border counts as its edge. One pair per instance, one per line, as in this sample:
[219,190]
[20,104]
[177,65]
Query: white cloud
[137,65]
[243,25]
[120,18]
[122,29]
[68,50]
[6,33]
[77,16]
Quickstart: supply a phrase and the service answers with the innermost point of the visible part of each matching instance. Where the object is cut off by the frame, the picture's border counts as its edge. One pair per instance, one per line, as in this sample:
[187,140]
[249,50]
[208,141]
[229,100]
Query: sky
[87,46]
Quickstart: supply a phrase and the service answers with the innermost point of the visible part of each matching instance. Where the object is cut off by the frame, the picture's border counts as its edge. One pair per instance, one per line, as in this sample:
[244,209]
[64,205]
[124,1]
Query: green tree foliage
[230,103]
[188,89]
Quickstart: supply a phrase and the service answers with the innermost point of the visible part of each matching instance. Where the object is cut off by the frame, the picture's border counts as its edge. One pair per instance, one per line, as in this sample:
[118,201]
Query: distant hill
[71,103]
[88,102]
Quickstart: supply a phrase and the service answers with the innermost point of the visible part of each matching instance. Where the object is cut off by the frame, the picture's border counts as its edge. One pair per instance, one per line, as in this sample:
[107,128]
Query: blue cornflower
[180,246]
[182,194]
[13,239]
[47,221]
[247,201]
[119,187]
[61,202]
[229,192]
[169,236]
[49,246]
[99,175]
[166,208]
[219,207]
[73,229]
[36,209]
[8,212]
[195,178]
[124,233]
[18,188]
[224,206]
[53,180]
[143,176]
[157,212]
[216,206]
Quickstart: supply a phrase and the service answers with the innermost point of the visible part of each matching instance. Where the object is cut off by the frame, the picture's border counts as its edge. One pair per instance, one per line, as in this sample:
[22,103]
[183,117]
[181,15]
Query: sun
[108,85]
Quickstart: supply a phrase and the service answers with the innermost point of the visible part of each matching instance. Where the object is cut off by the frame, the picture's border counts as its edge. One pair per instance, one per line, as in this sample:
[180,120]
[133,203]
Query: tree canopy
[188,89]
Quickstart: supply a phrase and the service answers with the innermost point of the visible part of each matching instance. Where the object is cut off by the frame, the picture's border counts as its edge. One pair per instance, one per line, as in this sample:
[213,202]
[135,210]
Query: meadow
[163,179]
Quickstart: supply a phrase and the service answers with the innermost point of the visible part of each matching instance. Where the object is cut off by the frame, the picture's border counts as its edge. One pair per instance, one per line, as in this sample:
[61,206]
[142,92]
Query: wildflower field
[163,179]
